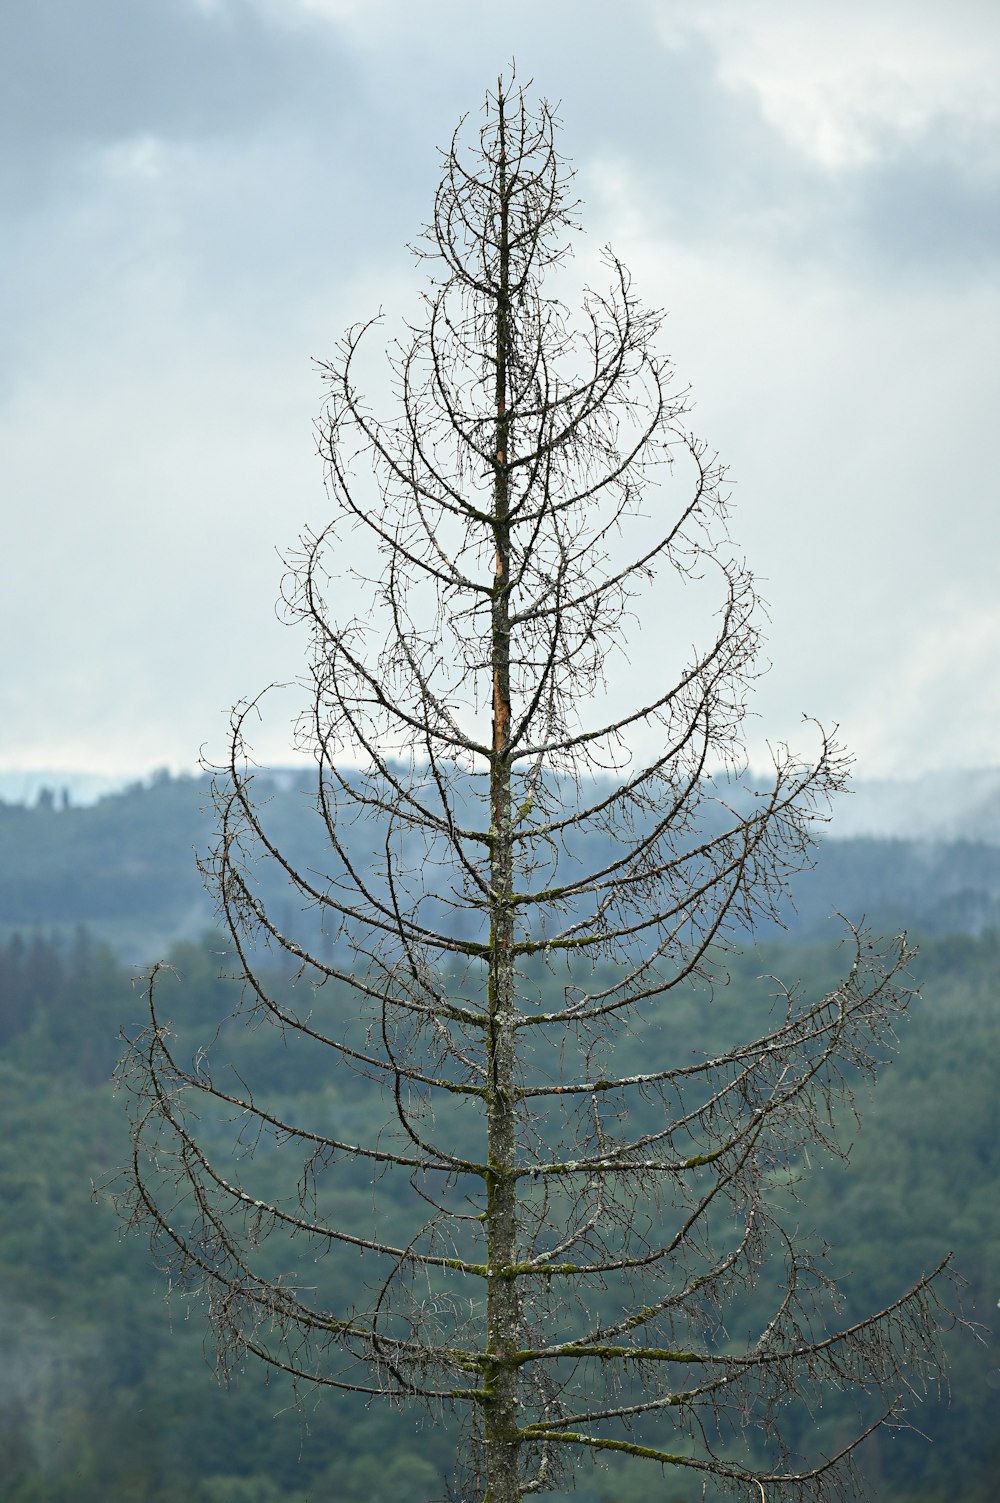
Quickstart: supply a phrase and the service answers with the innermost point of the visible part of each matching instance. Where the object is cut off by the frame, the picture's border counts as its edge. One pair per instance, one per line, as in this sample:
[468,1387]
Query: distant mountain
[937,806]
[923,886]
[24,785]
[125,866]
[961,805]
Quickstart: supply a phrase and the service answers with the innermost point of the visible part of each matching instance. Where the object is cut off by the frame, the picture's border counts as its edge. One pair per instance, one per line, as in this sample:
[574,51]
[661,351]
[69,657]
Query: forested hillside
[125,868]
[106,1393]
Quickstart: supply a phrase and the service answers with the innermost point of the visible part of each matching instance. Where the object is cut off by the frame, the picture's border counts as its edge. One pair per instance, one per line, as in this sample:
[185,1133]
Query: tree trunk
[503,1302]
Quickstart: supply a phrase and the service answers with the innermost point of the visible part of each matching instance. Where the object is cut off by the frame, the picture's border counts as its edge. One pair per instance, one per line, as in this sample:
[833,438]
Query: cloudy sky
[198,195]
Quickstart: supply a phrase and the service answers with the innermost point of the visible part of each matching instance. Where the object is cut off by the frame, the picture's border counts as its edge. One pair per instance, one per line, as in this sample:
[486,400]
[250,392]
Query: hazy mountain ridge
[922,855]
[939,806]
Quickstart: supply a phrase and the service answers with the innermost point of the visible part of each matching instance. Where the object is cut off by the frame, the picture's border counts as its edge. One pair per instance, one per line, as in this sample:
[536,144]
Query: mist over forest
[108,1393]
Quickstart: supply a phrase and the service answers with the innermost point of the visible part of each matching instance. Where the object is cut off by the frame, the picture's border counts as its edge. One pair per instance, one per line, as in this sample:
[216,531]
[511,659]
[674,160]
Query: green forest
[109,1392]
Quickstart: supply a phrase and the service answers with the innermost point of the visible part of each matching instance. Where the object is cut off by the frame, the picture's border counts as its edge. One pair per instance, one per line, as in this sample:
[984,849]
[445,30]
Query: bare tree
[539,884]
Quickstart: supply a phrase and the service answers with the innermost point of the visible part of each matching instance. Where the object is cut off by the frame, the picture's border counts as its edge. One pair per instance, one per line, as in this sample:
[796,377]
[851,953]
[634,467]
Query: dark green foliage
[61,1002]
[106,1393]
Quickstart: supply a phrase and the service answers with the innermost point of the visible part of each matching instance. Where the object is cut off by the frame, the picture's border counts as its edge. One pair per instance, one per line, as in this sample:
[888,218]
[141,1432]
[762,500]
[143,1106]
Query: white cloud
[164,289]
[845,85]
[357,17]
[852,415]
[157,450]
[144,157]
[335,10]
[928,712]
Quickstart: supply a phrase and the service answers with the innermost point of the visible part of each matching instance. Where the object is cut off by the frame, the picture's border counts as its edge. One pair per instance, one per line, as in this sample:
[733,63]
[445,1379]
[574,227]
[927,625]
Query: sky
[198,196]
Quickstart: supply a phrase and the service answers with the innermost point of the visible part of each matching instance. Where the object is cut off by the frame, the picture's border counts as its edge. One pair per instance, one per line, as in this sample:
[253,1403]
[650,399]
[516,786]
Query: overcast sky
[198,195]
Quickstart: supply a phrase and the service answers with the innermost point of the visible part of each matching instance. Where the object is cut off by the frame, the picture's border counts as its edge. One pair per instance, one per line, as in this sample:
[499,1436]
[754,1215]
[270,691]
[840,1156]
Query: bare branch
[568,1213]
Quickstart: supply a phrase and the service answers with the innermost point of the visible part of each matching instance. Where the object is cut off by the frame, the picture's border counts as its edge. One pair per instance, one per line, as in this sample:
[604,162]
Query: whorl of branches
[579,1227]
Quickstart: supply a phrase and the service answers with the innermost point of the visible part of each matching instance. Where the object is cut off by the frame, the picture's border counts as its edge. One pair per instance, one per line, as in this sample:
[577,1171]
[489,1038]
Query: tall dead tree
[534,885]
